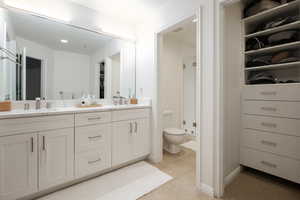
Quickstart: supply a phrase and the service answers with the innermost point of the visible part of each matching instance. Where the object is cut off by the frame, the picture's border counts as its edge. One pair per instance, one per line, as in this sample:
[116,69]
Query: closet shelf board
[268,14]
[293,25]
[287,46]
[274,67]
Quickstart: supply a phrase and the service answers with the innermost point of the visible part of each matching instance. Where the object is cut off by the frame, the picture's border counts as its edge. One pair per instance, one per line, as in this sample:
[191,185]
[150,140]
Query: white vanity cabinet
[43,153]
[18,166]
[130,135]
[56,157]
[92,143]
[36,157]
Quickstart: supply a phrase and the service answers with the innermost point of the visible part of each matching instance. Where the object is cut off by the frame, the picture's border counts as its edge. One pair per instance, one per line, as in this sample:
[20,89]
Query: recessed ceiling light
[64,41]
[195,20]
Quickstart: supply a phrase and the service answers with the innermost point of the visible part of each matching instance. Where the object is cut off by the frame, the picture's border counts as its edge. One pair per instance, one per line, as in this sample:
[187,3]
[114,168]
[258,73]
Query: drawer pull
[273,144]
[270,93]
[32,143]
[44,143]
[268,164]
[131,128]
[136,127]
[269,125]
[94,161]
[269,109]
[94,118]
[95,137]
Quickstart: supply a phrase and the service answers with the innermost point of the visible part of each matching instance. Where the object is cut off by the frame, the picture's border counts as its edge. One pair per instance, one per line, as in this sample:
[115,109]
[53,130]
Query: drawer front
[272,92]
[272,124]
[93,136]
[274,143]
[121,115]
[272,108]
[35,124]
[276,165]
[93,161]
[83,119]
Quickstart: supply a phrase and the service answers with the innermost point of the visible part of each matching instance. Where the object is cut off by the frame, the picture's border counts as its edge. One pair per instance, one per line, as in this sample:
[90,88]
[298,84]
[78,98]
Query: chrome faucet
[37,103]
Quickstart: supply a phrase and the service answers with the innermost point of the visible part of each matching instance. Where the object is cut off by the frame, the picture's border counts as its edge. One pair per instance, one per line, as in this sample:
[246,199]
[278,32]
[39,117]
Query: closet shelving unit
[250,22]
[270,113]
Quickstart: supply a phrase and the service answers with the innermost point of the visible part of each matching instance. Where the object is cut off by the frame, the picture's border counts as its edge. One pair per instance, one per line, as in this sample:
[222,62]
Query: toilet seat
[174,131]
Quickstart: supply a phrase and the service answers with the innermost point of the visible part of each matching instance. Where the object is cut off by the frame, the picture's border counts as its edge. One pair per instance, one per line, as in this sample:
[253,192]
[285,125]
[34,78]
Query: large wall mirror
[52,60]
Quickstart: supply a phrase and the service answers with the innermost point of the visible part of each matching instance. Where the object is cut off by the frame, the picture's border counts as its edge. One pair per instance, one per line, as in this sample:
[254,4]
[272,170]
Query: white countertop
[65,110]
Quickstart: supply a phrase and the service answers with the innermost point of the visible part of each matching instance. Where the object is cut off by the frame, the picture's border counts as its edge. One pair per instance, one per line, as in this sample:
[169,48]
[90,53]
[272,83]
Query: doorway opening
[33,78]
[177,103]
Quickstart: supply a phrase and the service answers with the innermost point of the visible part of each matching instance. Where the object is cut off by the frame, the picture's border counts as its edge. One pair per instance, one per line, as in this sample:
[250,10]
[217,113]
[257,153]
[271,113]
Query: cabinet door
[122,142]
[141,138]
[18,166]
[56,157]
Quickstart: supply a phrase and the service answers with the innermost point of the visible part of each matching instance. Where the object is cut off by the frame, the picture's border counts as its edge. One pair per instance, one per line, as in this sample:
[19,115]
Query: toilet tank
[168,120]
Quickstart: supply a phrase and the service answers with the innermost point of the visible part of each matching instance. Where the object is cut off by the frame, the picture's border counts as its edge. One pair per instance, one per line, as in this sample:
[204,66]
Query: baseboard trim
[229,178]
[207,189]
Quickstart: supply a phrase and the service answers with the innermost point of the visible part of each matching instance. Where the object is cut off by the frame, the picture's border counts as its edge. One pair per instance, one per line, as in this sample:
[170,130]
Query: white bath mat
[128,183]
[190,145]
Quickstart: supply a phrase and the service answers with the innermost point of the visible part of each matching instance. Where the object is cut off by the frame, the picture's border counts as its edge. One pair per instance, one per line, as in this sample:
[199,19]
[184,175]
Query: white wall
[174,53]
[171,79]
[147,78]
[71,74]
[232,87]
[78,15]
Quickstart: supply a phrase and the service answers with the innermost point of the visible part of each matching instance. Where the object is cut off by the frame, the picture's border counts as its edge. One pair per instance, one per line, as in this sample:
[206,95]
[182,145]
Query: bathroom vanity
[46,150]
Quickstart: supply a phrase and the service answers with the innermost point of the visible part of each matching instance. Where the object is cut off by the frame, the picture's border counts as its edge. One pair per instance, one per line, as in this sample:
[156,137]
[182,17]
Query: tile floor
[249,185]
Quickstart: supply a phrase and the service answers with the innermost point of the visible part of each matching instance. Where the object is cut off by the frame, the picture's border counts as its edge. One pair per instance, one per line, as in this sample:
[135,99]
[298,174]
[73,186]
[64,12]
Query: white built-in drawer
[35,124]
[91,137]
[272,124]
[93,161]
[272,108]
[276,165]
[82,119]
[121,115]
[274,143]
[288,92]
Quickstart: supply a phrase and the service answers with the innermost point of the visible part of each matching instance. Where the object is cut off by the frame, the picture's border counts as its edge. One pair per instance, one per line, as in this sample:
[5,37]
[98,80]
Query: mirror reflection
[50,60]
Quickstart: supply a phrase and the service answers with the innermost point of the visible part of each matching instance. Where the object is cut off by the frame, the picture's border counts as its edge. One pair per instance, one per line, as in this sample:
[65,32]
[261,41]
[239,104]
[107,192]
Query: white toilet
[173,137]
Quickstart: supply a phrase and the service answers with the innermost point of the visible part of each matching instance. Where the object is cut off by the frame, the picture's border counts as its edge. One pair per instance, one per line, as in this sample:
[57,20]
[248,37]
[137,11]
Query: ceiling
[131,11]
[50,33]
[186,32]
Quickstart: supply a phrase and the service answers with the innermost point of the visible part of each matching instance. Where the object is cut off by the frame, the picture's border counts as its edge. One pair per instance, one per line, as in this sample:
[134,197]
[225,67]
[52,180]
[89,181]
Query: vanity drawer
[83,119]
[272,124]
[91,137]
[122,115]
[276,165]
[272,108]
[272,92]
[93,161]
[35,124]
[274,143]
